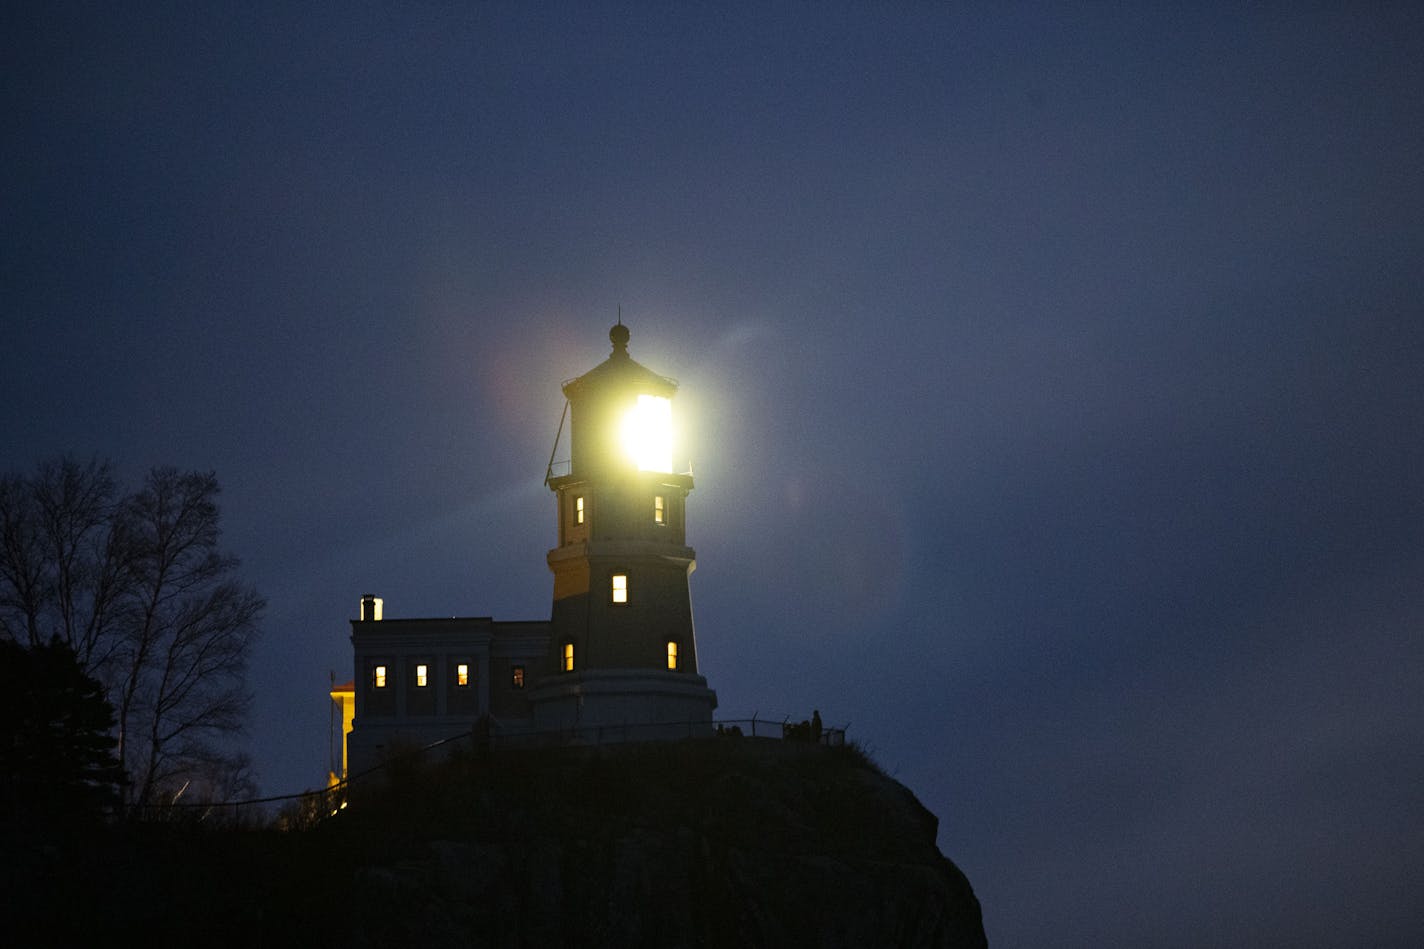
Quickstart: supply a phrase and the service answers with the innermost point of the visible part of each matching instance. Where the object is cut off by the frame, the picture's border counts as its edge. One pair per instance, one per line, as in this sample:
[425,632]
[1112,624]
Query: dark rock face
[716,842]
[728,842]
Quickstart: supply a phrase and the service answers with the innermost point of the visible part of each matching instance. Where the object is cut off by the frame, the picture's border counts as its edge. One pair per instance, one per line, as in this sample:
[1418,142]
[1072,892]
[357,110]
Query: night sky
[1053,379]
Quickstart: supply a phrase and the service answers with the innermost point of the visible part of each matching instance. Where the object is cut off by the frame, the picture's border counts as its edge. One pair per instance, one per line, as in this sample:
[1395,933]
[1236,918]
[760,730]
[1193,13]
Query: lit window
[462,674]
[647,433]
[578,510]
[422,675]
[620,588]
[518,679]
[672,654]
[568,657]
[658,510]
[380,677]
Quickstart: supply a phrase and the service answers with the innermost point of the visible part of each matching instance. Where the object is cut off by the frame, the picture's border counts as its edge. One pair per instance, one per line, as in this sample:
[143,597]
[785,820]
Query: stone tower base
[613,705]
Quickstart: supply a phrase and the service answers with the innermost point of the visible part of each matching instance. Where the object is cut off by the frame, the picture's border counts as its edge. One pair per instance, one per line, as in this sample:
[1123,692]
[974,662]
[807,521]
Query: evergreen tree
[56,751]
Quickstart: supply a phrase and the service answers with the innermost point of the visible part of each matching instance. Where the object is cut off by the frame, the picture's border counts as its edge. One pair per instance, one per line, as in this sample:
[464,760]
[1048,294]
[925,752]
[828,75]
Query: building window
[422,676]
[658,516]
[462,674]
[620,588]
[578,510]
[672,654]
[517,679]
[568,657]
[380,677]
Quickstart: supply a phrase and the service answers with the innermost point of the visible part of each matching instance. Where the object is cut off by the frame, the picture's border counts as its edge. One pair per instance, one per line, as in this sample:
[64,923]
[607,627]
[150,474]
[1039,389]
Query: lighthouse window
[647,433]
[620,588]
[380,677]
[568,657]
[658,517]
[422,676]
[672,654]
[578,510]
[462,674]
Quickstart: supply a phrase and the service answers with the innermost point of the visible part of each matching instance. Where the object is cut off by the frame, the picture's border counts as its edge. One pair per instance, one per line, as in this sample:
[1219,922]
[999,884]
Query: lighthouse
[622,654]
[616,660]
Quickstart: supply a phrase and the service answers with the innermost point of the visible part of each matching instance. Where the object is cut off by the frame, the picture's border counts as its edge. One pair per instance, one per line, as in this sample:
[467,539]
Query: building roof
[619,369]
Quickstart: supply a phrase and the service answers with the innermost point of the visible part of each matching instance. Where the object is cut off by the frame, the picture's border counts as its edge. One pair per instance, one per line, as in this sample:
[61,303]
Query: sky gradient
[1053,378]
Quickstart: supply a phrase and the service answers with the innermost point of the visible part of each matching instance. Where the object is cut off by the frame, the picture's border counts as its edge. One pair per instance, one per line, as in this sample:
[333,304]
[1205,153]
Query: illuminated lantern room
[622,415]
[622,440]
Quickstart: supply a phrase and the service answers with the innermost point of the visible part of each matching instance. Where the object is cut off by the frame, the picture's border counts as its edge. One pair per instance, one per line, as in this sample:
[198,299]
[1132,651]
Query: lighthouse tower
[622,660]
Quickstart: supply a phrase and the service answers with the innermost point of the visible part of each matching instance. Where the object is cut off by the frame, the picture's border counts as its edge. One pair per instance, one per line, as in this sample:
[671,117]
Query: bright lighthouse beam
[647,433]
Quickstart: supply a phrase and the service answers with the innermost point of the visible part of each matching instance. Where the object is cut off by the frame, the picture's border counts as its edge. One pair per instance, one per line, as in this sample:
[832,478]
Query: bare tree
[22,564]
[62,559]
[185,652]
[138,588]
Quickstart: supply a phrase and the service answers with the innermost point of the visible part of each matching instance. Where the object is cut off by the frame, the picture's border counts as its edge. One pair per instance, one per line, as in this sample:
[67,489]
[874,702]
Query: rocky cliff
[727,842]
[719,842]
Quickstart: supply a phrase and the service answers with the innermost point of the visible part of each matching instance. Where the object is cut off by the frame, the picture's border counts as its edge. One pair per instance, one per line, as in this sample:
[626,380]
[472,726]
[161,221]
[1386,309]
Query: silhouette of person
[815,726]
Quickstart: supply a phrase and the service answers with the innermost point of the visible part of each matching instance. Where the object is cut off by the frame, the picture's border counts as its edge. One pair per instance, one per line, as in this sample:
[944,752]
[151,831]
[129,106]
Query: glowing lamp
[647,433]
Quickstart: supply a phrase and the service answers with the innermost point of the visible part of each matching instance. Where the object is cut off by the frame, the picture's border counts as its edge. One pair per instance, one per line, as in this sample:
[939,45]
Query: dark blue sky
[1054,379]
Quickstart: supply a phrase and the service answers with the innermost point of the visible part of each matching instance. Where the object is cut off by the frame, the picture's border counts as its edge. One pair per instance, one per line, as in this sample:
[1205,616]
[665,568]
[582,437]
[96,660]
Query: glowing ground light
[647,433]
